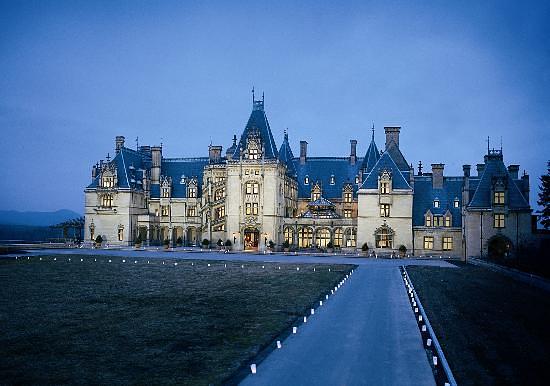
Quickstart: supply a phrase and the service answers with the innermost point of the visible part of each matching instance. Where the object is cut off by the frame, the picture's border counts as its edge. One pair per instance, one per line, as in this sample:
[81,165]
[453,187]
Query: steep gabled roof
[397,156]
[425,194]
[372,156]
[494,168]
[181,170]
[258,123]
[286,156]
[386,163]
[130,166]
[321,169]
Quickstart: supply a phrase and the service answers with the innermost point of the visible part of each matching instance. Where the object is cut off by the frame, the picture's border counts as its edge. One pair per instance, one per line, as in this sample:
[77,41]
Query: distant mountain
[13,217]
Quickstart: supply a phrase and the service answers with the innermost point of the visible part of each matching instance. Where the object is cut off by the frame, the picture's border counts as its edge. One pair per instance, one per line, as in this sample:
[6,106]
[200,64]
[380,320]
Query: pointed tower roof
[258,125]
[286,156]
[372,156]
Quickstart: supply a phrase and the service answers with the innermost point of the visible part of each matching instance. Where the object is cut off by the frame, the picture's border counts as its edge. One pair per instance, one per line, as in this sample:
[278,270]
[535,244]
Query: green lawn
[493,329]
[112,323]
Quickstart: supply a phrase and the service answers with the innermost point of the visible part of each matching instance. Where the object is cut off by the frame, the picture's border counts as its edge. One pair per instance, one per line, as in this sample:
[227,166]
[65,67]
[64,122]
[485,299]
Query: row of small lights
[420,320]
[279,345]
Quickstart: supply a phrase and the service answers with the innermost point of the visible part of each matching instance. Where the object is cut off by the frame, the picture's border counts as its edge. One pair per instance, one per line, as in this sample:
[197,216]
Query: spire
[372,132]
[286,156]
[372,155]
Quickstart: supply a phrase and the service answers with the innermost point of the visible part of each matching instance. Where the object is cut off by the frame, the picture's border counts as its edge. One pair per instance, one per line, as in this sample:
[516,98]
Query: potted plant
[271,245]
[330,247]
[286,246]
[98,241]
[179,241]
[166,243]
[220,244]
[365,249]
[402,250]
[137,241]
[228,245]
[205,243]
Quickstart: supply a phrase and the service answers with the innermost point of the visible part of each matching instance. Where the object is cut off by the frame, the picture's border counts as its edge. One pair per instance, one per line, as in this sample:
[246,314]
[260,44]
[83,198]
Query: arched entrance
[499,247]
[191,237]
[251,237]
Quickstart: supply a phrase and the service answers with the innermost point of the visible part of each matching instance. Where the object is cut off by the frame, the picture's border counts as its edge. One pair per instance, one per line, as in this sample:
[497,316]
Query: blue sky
[73,75]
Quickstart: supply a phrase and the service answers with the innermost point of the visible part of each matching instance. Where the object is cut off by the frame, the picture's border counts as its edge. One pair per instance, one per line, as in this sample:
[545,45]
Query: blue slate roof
[494,168]
[286,156]
[425,194]
[320,169]
[397,156]
[180,170]
[371,157]
[386,162]
[130,166]
[258,121]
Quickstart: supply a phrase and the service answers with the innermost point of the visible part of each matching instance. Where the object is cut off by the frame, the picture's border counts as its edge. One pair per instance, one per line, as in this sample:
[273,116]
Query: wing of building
[257,193]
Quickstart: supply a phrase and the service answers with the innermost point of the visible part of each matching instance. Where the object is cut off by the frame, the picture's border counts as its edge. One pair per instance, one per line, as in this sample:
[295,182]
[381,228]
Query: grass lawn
[119,323]
[494,330]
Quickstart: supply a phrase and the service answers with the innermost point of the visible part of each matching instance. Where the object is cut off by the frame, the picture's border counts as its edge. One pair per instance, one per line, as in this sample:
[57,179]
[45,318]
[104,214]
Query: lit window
[384,210]
[357,179]
[252,187]
[348,196]
[164,210]
[499,221]
[447,243]
[289,235]
[499,198]
[338,237]
[438,221]
[384,187]
[191,211]
[306,180]
[165,192]
[428,220]
[351,237]
[192,192]
[447,221]
[92,231]
[219,194]
[457,203]
[384,238]
[305,237]
[347,213]
[251,208]
[428,242]
[220,212]
[108,181]
[107,201]
[436,203]
[315,195]
[253,153]
[332,179]
[120,234]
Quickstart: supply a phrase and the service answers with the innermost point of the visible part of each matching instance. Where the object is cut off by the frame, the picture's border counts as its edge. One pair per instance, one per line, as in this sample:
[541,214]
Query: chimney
[353,151]
[303,152]
[156,155]
[94,172]
[513,171]
[214,154]
[392,135]
[466,169]
[119,143]
[480,169]
[437,176]
[525,190]
[466,186]
[145,149]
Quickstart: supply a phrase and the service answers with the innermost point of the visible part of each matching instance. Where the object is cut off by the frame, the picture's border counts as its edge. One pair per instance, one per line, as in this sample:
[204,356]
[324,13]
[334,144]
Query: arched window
[322,237]
[289,235]
[338,237]
[384,237]
[305,237]
[351,237]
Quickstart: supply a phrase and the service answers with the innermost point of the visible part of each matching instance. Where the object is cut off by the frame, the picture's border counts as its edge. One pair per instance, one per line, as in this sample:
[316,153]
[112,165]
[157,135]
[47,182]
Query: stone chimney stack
[466,186]
[94,172]
[156,158]
[119,143]
[466,169]
[353,151]
[525,190]
[214,154]
[392,135]
[303,152]
[480,169]
[513,171]
[437,176]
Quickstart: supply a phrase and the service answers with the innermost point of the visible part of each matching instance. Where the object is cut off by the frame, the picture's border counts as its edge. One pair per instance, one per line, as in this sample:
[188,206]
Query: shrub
[271,244]
[220,242]
[329,245]
[138,239]
[99,239]
[205,243]
[166,242]
[286,244]
[365,247]
[402,248]
[228,243]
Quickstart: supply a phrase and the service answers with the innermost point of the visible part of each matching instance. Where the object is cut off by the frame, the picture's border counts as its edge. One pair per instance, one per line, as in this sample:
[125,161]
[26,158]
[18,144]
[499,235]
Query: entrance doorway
[251,237]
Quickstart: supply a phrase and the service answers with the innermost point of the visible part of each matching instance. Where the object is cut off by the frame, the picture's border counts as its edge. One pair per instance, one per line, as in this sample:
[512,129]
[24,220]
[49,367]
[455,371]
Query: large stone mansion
[255,193]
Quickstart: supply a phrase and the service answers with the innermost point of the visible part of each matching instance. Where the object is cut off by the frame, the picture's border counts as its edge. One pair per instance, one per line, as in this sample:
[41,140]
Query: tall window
[347,213]
[306,180]
[289,235]
[456,203]
[438,221]
[107,200]
[219,194]
[436,203]
[499,220]
[428,220]
[447,221]
[428,242]
[447,243]
[251,208]
[165,192]
[108,181]
[384,187]
[220,212]
[315,195]
[253,153]
[120,234]
[356,179]
[499,198]
[191,211]
[384,210]
[351,237]
[305,237]
[332,179]
[384,237]
[92,231]
[192,192]
[164,210]
[323,237]
[338,237]
[252,187]
[348,196]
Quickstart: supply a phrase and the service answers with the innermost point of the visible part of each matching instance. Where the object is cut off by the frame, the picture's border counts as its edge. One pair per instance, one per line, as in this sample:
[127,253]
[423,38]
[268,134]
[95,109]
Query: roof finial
[263,98]
[234,140]
[501,144]
[373,130]
[487,144]
[420,168]
[108,157]
[253,99]
[137,143]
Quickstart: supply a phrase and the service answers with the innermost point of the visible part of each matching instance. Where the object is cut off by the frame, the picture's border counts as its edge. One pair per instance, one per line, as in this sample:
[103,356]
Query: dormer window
[306,180]
[192,192]
[428,219]
[165,210]
[456,203]
[253,153]
[165,192]
[332,179]
[357,179]
[107,200]
[448,221]
[315,192]
[436,203]
[384,183]
[107,181]
[498,198]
